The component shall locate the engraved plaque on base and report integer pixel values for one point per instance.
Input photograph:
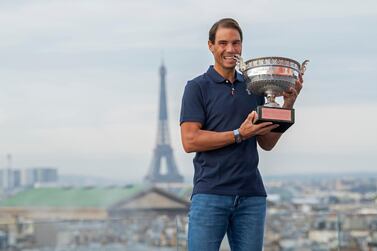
(284, 117)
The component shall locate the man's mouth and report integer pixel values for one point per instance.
(229, 58)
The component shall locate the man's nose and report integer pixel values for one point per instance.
(230, 48)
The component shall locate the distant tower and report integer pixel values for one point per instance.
(163, 150)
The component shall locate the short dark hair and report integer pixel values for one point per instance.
(223, 23)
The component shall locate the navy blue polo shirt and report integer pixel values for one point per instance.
(233, 169)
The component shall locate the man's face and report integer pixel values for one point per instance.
(227, 44)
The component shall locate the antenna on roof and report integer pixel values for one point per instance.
(9, 160)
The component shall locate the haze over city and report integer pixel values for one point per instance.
(80, 80)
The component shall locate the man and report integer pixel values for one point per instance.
(217, 118)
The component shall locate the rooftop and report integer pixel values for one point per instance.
(84, 197)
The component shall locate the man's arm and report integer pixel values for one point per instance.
(194, 139)
(269, 140)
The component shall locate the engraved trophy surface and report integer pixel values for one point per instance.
(271, 76)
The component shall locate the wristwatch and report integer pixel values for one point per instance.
(237, 136)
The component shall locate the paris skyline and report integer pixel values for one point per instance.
(80, 81)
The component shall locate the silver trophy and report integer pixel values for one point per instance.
(271, 76)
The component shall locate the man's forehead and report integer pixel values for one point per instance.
(225, 33)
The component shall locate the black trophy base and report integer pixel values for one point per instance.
(284, 117)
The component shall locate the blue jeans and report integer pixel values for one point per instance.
(241, 217)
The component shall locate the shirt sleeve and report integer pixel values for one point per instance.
(192, 108)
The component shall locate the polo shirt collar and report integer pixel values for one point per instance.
(215, 76)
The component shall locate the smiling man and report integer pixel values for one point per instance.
(217, 117)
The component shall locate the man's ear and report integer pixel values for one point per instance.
(210, 46)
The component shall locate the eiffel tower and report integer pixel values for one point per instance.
(163, 150)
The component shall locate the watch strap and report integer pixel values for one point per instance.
(237, 136)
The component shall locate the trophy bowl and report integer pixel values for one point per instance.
(270, 76)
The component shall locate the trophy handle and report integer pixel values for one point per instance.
(241, 64)
(303, 67)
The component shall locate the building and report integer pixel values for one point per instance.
(39, 176)
(71, 203)
(52, 216)
(12, 179)
(7, 181)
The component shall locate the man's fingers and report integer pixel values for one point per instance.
(300, 77)
(298, 85)
(267, 129)
(294, 91)
(255, 117)
(291, 92)
(262, 125)
(251, 116)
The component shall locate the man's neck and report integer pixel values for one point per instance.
(228, 74)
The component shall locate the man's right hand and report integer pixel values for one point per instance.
(248, 129)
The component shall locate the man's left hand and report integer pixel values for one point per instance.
(291, 95)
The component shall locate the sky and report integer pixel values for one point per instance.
(79, 80)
